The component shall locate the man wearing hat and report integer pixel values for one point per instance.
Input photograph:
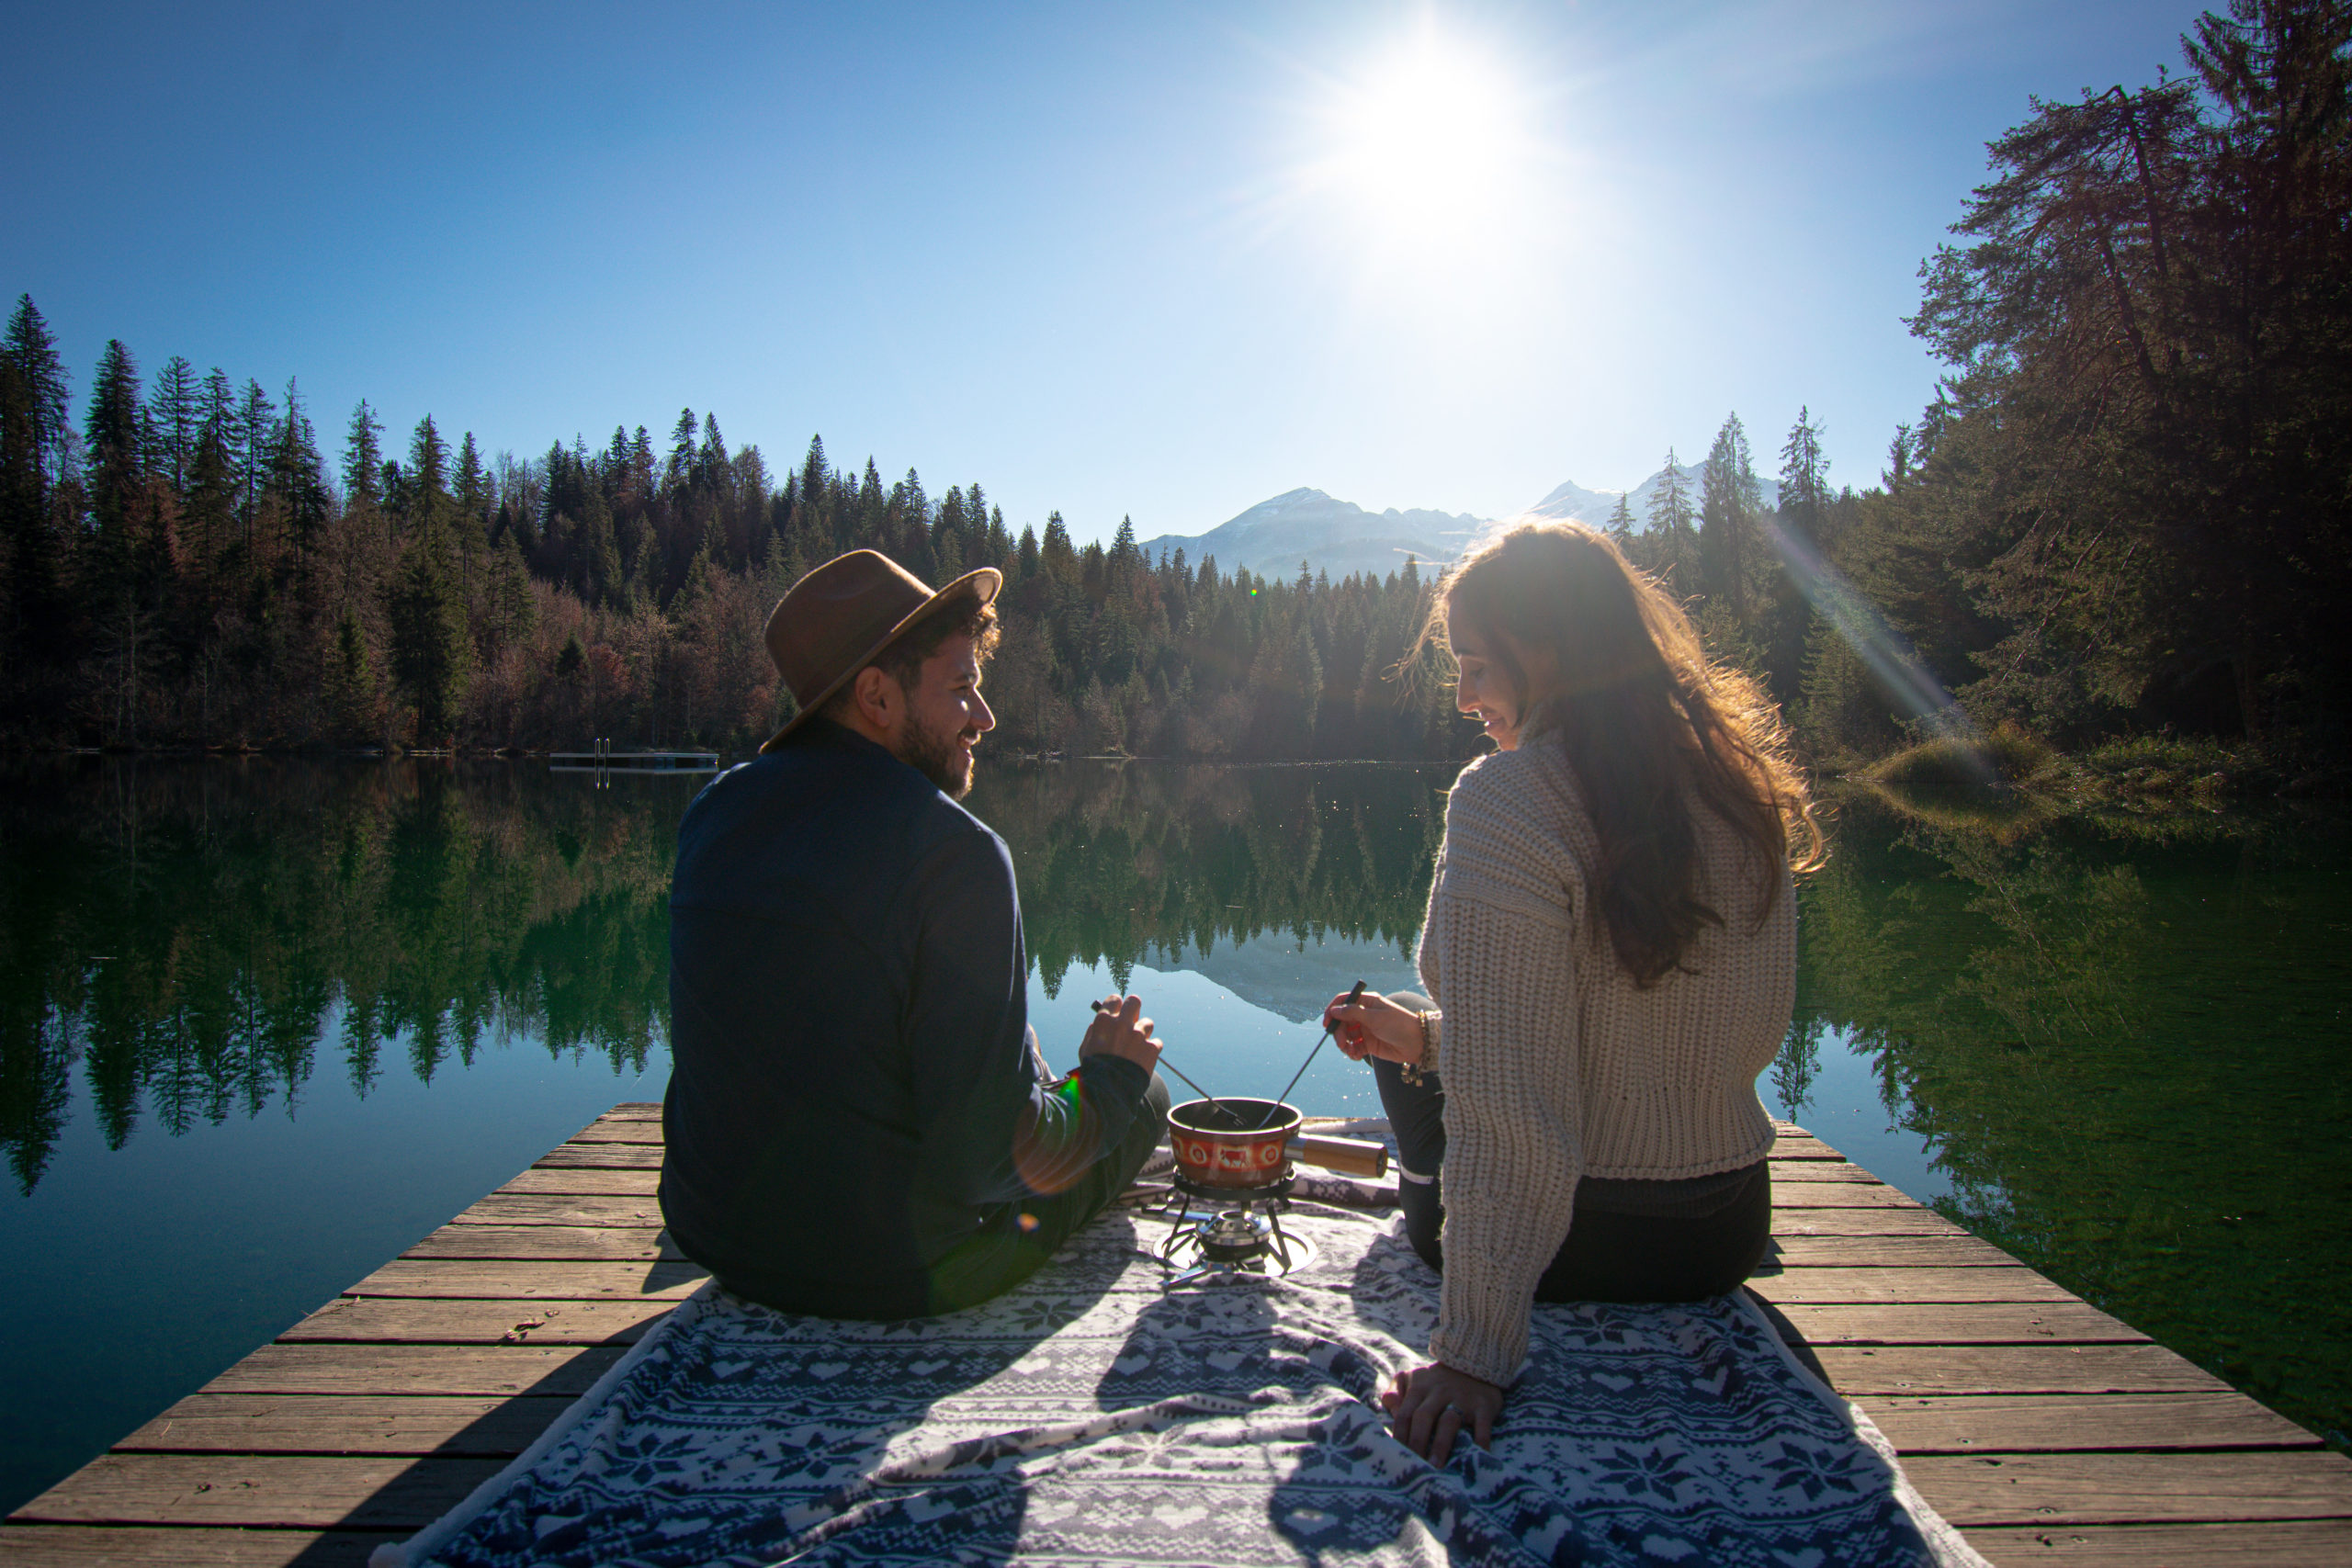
(859, 1124)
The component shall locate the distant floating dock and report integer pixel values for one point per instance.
(2044, 1429)
(602, 762)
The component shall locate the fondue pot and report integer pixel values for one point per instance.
(1254, 1142)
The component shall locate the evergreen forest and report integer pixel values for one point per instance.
(2123, 514)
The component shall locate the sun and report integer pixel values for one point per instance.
(1426, 141)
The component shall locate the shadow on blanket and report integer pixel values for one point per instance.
(1092, 1417)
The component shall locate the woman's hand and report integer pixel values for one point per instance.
(1374, 1026)
(1430, 1406)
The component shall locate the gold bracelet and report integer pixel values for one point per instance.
(1411, 1071)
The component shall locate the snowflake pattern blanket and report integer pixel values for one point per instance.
(1093, 1416)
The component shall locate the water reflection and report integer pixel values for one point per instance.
(1173, 865)
(2126, 1057)
(187, 936)
(2118, 1056)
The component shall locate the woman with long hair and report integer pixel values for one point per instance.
(1610, 958)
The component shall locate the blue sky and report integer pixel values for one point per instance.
(1159, 260)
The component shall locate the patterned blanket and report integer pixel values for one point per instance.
(1093, 1416)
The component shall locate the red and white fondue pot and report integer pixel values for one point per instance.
(1214, 1152)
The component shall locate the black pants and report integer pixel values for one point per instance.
(1003, 1255)
(1631, 1241)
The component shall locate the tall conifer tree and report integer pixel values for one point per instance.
(363, 457)
(175, 414)
(113, 461)
(1620, 519)
(31, 350)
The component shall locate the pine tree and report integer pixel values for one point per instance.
(432, 656)
(31, 350)
(428, 466)
(257, 437)
(680, 473)
(1674, 542)
(1621, 521)
(297, 474)
(1804, 482)
(363, 457)
(174, 417)
(111, 436)
(1731, 500)
(218, 416)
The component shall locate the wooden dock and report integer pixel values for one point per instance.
(2042, 1427)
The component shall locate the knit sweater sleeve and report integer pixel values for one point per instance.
(1502, 921)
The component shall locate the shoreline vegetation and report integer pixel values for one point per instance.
(2102, 573)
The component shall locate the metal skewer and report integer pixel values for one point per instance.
(1222, 1109)
(1354, 996)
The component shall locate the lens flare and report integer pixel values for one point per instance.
(1857, 621)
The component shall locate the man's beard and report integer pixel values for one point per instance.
(937, 757)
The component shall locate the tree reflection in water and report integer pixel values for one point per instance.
(2127, 1052)
(192, 935)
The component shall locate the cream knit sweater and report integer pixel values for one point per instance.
(1555, 1065)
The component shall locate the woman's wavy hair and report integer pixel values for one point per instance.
(1649, 723)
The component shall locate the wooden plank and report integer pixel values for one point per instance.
(483, 1427)
(501, 1278)
(600, 1156)
(1818, 1172)
(2298, 1543)
(566, 1370)
(1792, 1286)
(1878, 1219)
(2012, 1368)
(575, 1243)
(1959, 1251)
(2134, 1488)
(598, 1180)
(553, 1208)
(2023, 1423)
(23, 1546)
(634, 1111)
(1960, 1323)
(259, 1491)
(617, 1133)
(400, 1320)
(1837, 1195)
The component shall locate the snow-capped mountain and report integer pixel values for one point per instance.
(1332, 535)
(1593, 506)
(1339, 536)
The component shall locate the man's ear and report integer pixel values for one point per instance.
(877, 696)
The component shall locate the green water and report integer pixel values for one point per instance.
(2129, 1058)
(265, 1023)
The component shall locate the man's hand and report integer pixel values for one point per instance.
(1430, 1405)
(1120, 1030)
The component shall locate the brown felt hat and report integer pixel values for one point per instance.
(838, 619)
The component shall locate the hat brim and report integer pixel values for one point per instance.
(981, 586)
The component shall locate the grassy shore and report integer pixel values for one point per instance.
(2008, 781)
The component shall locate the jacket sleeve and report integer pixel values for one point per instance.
(992, 1130)
(1501, 928)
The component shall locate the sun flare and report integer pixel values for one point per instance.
(1426, 141)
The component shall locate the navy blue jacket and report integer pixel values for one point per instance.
(853, 1090)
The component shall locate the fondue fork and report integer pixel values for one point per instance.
(1222, 1109)
(1354, 996)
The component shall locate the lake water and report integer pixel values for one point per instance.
(263, 1024)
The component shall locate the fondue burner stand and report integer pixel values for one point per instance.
(1217, 1231)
